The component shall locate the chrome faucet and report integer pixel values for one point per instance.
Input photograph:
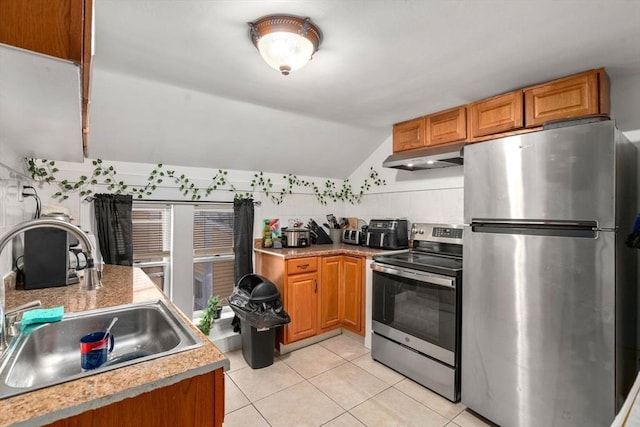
(10, 317)
(91, 276)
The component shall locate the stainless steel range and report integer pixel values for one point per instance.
(416, 308)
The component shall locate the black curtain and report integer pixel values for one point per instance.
(113, 221)
(242, 237)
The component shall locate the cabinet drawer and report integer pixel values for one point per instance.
(302, 265)
(497, 114)
(580, 95)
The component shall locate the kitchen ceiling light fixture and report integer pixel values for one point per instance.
(286, 42)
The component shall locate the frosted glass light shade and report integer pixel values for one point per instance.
(285, 52)
(285, 42)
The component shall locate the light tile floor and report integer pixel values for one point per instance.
(334, 383)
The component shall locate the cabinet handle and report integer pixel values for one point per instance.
(315, 290)
(303, 266)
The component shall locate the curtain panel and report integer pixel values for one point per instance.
(242, 237)
(113, 221)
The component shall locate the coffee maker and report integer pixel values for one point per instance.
(45, 262)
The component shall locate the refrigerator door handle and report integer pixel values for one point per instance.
(583, 229)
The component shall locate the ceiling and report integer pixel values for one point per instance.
(179, 81)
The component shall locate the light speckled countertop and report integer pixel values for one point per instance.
(323, 250)
(121, 285)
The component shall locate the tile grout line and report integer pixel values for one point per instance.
(427, 406)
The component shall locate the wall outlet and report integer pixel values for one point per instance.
(13, 191)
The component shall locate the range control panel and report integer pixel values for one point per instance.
(451, 233)
(445, 233)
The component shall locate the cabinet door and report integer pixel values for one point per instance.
(195, 401)
(351, 307)
(409, 135)
(573, 96)
(52, 27)
(501, 113)
(447, 126)
(330, 275)
(302, 291)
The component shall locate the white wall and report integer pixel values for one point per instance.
(12, 211)
(625, 105)
(301, 205)
(422, 196)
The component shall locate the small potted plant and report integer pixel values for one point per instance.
(209, 314)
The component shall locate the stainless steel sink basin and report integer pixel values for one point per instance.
(50, 354)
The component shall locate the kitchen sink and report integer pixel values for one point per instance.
(49, 354)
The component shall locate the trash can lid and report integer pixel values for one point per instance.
(265, 291)
(259, 289)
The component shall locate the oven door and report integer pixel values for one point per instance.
(416, 309)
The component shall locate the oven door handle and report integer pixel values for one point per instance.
(414, 274)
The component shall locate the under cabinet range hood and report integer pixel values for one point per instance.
(427, 158)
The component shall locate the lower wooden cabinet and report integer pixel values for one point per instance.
(301, 303)
(341, 293)
(329, 292)
(352, 302)
(193, 402)
(319, 293)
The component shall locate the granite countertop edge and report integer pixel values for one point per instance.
(325, 250)
(89, 405)
(121, 285)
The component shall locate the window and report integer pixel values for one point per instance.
(155, 233)
(151, 236)
(213, 253)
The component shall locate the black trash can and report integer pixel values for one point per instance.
(258, 305)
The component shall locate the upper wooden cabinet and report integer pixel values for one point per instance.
(59, 28)
(574, 96)
(52, 27)
(409, 135)
(435, 129)
(520, 111)
(500, 113)
(447, 126)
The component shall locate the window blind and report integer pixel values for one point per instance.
(212, 230)
(151, 231)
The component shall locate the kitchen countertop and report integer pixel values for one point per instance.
(323, 250)
(121, 285)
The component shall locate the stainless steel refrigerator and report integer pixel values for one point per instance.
(549, 299)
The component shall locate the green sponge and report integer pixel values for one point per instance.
(42, 315)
